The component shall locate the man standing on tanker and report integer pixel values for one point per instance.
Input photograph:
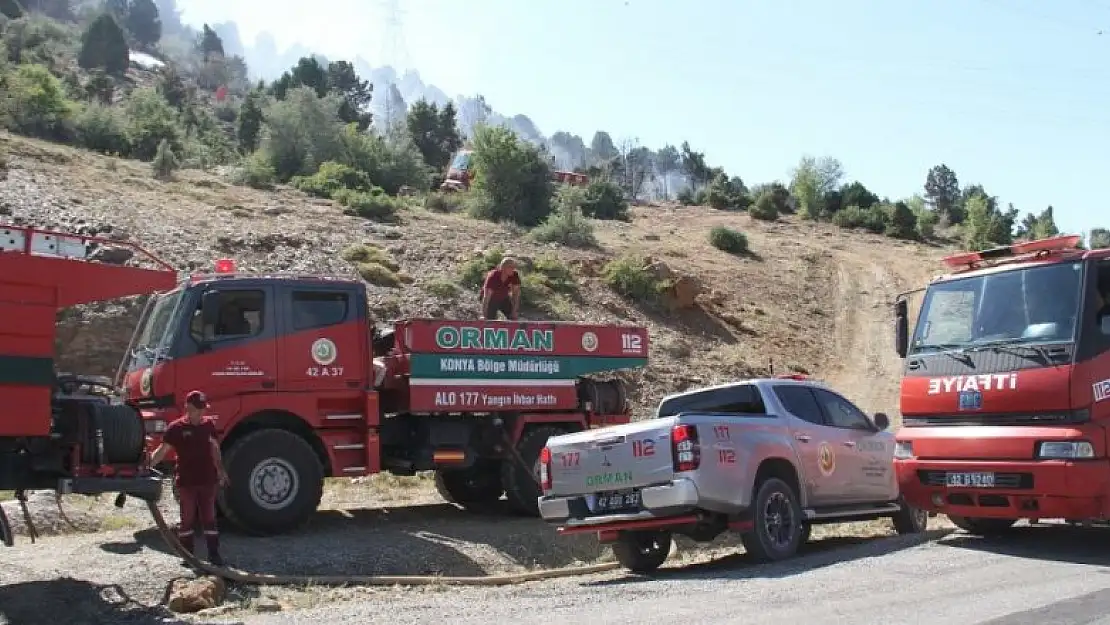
(199, 473)
(501, 291)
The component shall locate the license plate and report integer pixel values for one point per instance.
(970, 480)
(604, 503)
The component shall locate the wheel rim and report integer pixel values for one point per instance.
(273, 483)
(778, 520)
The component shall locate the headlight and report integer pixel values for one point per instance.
(1064, 450)
(903, 450)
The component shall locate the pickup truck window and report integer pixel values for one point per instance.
(841, 412)
(801, 403)
(741, 399)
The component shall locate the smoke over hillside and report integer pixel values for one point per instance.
(648, 174)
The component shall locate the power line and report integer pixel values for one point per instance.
(394, 52)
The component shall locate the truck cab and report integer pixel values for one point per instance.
(1005, 387)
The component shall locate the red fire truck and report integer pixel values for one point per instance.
(1005, 398)
(303, 386)
(458, 176)
(60, 431)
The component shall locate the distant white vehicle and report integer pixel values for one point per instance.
(144, 60)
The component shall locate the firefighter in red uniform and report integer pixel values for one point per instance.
(200, 472)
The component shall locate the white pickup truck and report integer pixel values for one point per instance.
(768, 457)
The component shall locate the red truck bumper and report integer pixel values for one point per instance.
(1043, 489)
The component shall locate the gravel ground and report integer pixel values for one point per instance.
(116, 568)
(1041, 576)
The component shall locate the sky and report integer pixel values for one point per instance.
(1010, 94)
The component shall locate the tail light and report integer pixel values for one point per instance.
(545, 469)
(685, 449)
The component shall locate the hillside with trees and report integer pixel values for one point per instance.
(128, 78)
(124, 121)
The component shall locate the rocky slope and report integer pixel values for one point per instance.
(810, 297)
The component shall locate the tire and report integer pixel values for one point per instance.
(768, 541)
(271, 464)
(521, 486)
(982, 526)
(909, 520)
(642, 551)
(122, 429)
(475, 488)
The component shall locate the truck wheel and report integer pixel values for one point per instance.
(982, 526)
(276, 482)
(909, 520)
(474, 488)
(522, 487)
(778, 522)
(643, 551)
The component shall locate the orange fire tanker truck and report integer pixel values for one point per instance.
(1005, 397)
(303, 386)
(61, 431)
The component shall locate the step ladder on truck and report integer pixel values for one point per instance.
(1005, 395)
(303, 387)
(58, 431)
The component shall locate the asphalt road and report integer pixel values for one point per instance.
(1038, 576)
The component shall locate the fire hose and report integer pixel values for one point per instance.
(247, 577)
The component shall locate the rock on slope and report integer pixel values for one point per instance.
(781, 304)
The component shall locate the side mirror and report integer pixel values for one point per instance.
(901, 327)
(210, 308)
(882, 421)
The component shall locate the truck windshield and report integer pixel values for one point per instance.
(153, 335)
(1035, 305)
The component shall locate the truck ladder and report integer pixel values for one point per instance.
(42, 258)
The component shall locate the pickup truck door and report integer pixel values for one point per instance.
(872, 478)
(827, 454)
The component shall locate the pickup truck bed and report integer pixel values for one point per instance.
(735, 456)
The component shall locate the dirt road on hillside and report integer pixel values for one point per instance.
(864, 364)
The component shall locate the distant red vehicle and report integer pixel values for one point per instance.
(1005, 398)
(458, 176)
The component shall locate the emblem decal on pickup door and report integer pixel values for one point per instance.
(1102, 390)
(985, 382)
(826, 459)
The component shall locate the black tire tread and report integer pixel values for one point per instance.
(753, 542)
(122, 428)
(630, 556)
(458, 494)
(315, 486)
(906, 520)
(520, 487)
